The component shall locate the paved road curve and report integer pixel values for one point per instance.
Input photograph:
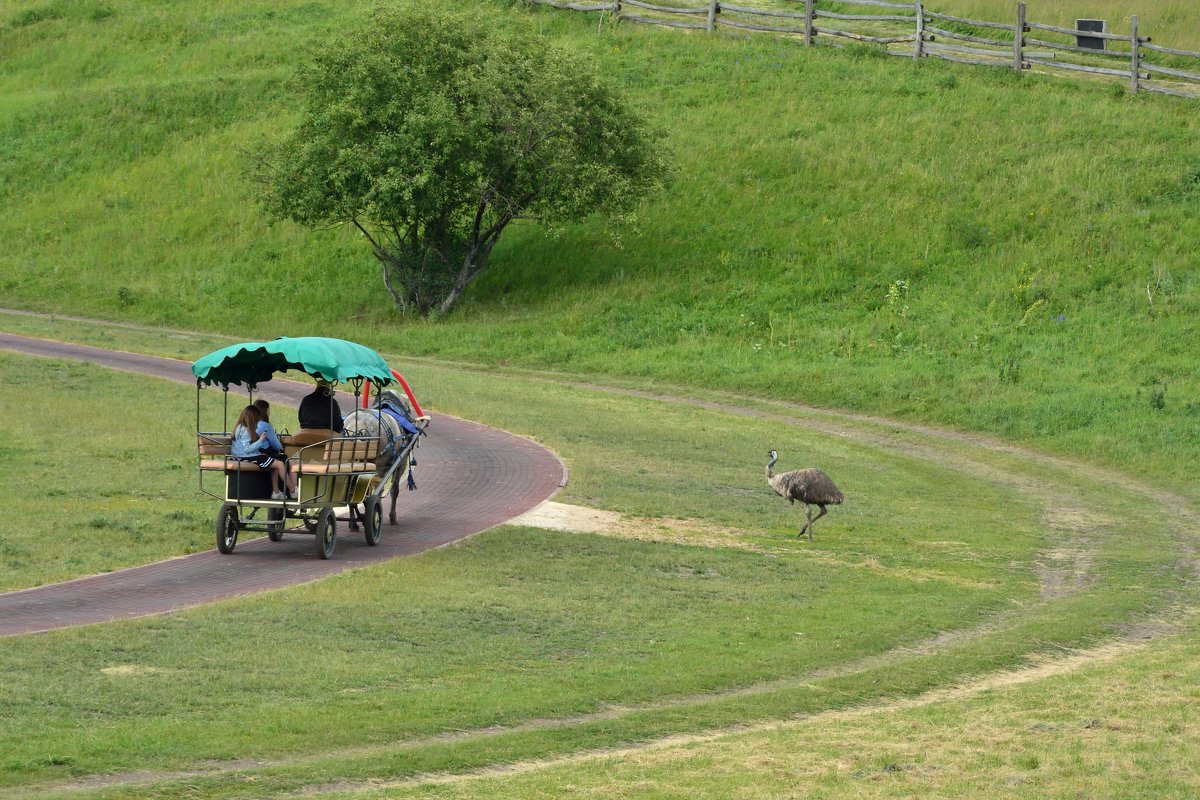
(470, 478)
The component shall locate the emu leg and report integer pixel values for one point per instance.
(808, 525)
(812, 520)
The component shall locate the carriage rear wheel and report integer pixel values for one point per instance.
(372, 520)
(326, 533)
(276, 517)
(227, 528)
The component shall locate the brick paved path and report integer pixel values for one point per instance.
(470, 478)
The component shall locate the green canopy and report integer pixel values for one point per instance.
(252, 363)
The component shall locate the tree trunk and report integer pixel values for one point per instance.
(399, 300)
(471, 268)
(429, 271)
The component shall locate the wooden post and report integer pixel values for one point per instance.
(1019, 38)
(712, 14)
(919, 50)
(1135, 59)
(616, 9)
(808, 23)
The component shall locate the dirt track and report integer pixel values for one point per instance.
(507, 476)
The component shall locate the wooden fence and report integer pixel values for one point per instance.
(913, 31)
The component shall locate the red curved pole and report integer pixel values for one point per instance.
(366, 394)
(416, 406)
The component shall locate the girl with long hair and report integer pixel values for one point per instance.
(250, 444)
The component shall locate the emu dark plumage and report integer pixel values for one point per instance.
(810, 486)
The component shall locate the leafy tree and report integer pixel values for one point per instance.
(430, 133)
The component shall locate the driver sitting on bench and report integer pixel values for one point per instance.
(319, 409)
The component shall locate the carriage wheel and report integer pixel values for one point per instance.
(227, 528)
(275, 531)
(372, 520)
(326, 533)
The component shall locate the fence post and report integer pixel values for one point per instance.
(1135, 59)
(712, 14)
(808, 23)
(1019, 38)
(616, 10)
(919, 50)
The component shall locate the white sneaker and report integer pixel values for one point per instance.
(276, 495)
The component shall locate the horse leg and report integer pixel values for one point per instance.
(395, 494)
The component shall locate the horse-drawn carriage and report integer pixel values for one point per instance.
(334, 470)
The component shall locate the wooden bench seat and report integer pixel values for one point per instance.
(214, 450)
(214, 455)
(337, 468)
(342, 455)
(243, 480)
(310, 452)
(231, 464)
(303, 443)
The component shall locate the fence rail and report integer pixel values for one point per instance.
(917, 32)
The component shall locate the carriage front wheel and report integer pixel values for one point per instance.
(326, 533)
(227, 528)
(372, 520)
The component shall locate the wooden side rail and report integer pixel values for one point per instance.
(213, 444)
(214, 455)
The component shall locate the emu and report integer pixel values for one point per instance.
(809, 486)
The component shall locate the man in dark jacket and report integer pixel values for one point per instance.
(320, 410)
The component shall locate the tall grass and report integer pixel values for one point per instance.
(1173, 23)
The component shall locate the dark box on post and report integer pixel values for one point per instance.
(1091, 42)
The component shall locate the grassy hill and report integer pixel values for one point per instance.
(926, 240)
(931, 242)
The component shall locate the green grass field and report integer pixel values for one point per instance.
(700, 615)
(970, 297)
(1172, 23)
